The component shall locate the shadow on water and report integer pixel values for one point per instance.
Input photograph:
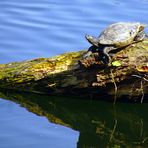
(100, 123)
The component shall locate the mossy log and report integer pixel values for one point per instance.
(69, 74)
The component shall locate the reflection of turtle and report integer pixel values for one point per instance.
(116, 36)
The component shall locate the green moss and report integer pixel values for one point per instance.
(116, 63)
(36, 69)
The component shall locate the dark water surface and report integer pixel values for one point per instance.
(70, 123)
(42, 28)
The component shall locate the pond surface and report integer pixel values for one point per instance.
(43, 28)
(70, 123)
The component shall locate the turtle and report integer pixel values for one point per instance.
(115, 36)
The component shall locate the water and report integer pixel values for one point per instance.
(72, 123)
(43, 28)
(21, 129)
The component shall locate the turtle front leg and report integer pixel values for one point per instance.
(91, 50)
(106, 51)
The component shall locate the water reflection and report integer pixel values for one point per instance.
(100, 124)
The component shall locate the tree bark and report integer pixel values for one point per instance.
(70, 74)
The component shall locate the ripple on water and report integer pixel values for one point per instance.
(45, 28)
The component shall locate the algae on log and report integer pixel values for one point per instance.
(69, 74)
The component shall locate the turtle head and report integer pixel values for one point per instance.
(142, 26)
(140, 34)
(92, 40)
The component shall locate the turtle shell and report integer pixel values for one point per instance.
(120, 34)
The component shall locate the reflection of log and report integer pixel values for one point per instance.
(100, 124)
(64, 75)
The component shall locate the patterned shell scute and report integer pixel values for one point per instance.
(119, 32)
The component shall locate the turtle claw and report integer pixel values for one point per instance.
(87, 54)
(91, 50)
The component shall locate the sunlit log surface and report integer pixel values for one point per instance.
(69, 74)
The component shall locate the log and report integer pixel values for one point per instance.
(70, 74)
